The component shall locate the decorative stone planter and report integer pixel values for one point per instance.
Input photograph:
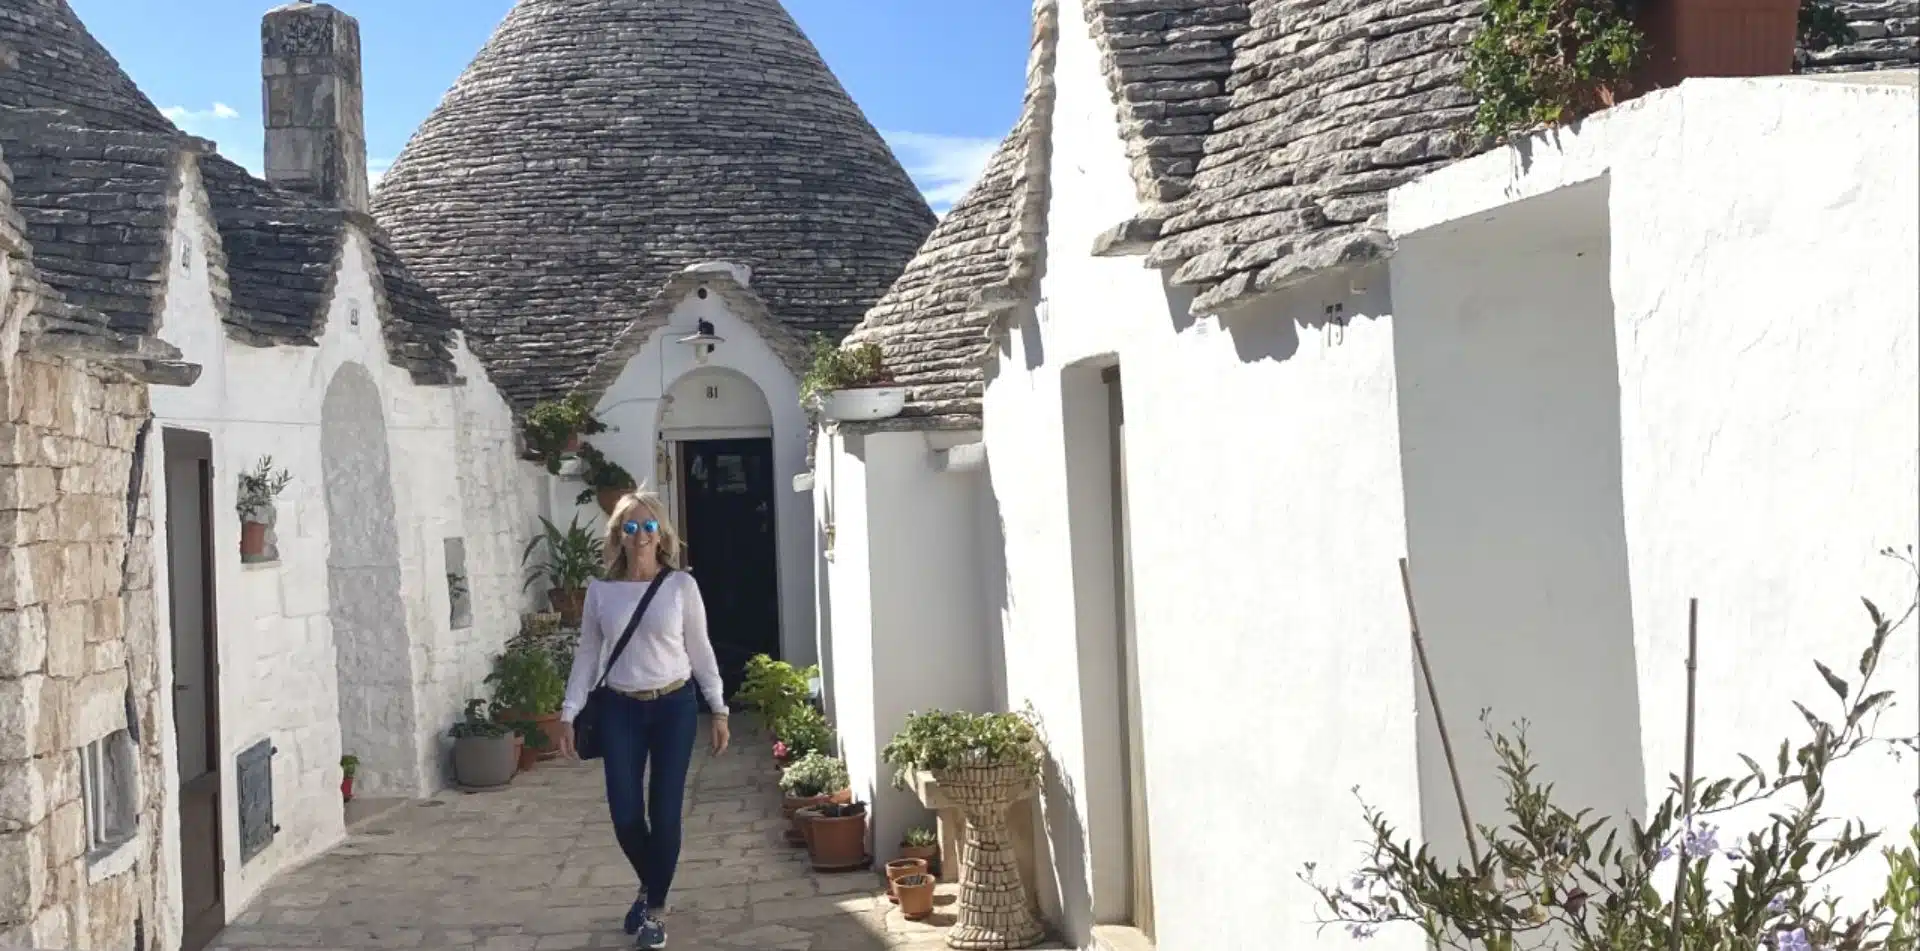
(1686, 39)
(865, 404)
(569, 602)
(481, 762)
(994, 914)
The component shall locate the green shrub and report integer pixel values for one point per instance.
(815, 774)
(940, 740)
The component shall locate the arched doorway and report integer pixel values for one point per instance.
(717, 427)
(372, 656)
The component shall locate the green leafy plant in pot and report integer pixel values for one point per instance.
(259, 486)
(813, 779)
(802, 730)
(940, 742)
(570, 559)
(774, 688)
(349, 768)
(553, 429)
(484, 751)
(923, 844)
(606, 480)
(835, 835)
(528, 690)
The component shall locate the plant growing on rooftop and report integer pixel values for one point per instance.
(1823, 26)
(939, 740)
(842, 368)
(553, 425)
(1537, 63)
(1547, 877)
(259, 486)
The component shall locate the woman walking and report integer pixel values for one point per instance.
(643, 644)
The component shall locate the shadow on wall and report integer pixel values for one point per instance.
(1272, 328)
(1063, 836)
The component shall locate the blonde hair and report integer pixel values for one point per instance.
(667, 547)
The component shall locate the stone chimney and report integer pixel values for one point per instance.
(316, 124)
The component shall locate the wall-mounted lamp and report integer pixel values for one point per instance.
(703, 341)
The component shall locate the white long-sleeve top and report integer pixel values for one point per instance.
(670, 644)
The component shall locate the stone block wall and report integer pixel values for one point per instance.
(77, 653)
(1886, 36)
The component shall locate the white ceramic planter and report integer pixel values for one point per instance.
(865, 404)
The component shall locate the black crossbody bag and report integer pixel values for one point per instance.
(587, 738)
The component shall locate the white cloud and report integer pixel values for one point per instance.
(376, 170)
(190, 119)
(944, 166)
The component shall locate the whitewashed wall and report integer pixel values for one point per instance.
(455, 475)
(1266, 519)
(912, 632)
(1764, 298)
(632, 408)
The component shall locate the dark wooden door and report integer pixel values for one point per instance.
(196, 682)
(731, 547)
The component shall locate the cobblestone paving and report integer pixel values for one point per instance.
(535, 867)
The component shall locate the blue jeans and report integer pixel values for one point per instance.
(648, 823)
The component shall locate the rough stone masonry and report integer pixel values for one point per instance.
(77, 653)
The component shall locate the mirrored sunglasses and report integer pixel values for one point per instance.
(634, 528)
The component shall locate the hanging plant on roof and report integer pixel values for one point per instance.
(553, 428)
(842, 368)
(605, 479)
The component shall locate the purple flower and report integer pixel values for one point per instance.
(1704, 840)
(1778, 904)
(1795, 940)
(1665, 853)
(1361, 931)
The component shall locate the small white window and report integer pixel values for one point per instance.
(108, 787)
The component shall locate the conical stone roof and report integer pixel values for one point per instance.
(594, 148)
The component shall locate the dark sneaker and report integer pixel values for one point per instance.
(653, 934)
(636, 915)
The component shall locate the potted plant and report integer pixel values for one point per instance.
(606, 480)
(836, 836)
(775, 688)
(528, 688)
(981, 763)
(571, 559)
(899, 867)
(814, 779)
(259, 486)
(851, 383)
(802, 730)
(349, 767)
(553, 429)
(915, 894)
(484, 753)
(921, 843)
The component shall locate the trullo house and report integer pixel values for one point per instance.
(1233, 323)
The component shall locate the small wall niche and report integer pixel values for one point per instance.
(459, 592)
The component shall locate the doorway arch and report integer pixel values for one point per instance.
(716, 427)
(373, 660)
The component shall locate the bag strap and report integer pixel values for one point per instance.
(633, 624)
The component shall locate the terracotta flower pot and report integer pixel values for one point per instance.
(569, 602)
(529, 756)
(253, 539)
(916, 895)
(346, 789)
(609, 497)
(1694, 38)
(929, 854)
(549, 724)
(837, 843)
(902, 867)
(790, 806)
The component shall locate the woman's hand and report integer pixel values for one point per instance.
(720, 735)
(566, 741)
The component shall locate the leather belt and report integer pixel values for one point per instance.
(651, 694)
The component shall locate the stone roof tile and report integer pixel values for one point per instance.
(595, 148)
(935, 326)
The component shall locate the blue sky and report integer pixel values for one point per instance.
(941, 79)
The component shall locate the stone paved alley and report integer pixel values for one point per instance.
(535, 866)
